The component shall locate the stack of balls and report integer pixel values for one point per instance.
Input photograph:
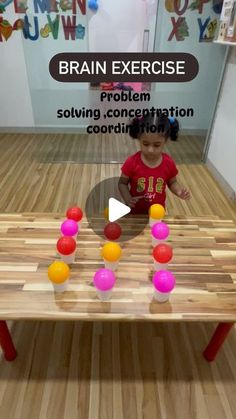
(163, 280)
(59, 271)
(104, 279)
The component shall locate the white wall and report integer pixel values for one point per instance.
(16, 107)
(118, 26)
(222, 151)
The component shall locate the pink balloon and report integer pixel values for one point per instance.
(160, 231)
(69, 228)
(104, 279)
(163, 281)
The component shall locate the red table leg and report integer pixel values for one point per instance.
(217, 340)
(6, 342)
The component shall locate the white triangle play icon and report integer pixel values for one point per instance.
(117, 209)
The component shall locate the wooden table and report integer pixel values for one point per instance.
(204, 264)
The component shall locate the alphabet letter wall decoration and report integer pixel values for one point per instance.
(5, 29)
(61, 17)
(207, 30)
(183, 9)
(20, 6)
(198, 5)
(180, 10)
(169, 5)
(217, 6)
(180, 29)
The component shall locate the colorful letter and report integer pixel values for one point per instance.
(20, 6)
(54, 7)
(69, 26)
(43, 5)
(81, 4)
(202, 2)
(198, 5)
(26, 30)
(177, 7)
(202, 27)
(54, 26)
(180, 29)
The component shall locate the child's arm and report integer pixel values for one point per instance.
(125, 193)
(178, 190)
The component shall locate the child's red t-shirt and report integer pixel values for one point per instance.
(149, 182)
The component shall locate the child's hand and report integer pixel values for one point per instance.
(133, 201)
(184, 194)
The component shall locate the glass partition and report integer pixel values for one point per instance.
(191, 26)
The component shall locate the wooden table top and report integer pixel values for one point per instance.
(204, 264)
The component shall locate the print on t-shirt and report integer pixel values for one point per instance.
(148, 182)
(151, 186)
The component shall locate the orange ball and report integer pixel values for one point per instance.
(157, 211)
(58, 272)
(111, 252)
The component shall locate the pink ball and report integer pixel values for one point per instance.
(69, 228)
(104, 279)
(160, 231)
(163, 281)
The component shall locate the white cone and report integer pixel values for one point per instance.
(160, 266)
(161, 297)
(68, 259)
(61, 287)
(104, 295)
(154, 221)
(155, 242)
(111, 265)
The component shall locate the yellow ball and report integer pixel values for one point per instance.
(111, 252)
(157, 211)
(106, 213)
(58, 272)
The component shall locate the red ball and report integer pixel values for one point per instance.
(66, 245)
(162, 253)
(75, 214)
(112, 231)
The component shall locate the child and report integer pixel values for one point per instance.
(146, 173)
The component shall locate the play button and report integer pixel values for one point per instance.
(117, 209)
(106, 195)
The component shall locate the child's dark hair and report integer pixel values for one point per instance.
(169, 127)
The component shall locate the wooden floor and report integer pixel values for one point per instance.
(108, 370)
